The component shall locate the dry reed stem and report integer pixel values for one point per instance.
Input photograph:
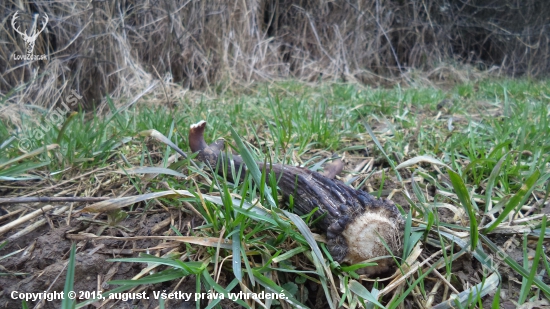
(35, 225)
(15, 223)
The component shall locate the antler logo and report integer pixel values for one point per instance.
(31, 37)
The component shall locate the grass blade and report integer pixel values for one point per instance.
(464, 197)
(163, 276)
(290, 253)
(491, 181)
(68, 291)
(486, 286)
(362, 292)
(274, 288)
(419, 159)
(375, 140)
(304, 229)
(407, 245)
(230, 287)
(420, 279)
(237, 267)
(515, 266)
(318, 258)
(220, 289)
(533, 273)
(515, 201)
(252, 166)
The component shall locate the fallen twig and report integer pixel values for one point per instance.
(55, 199)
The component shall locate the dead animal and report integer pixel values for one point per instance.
(355, 222)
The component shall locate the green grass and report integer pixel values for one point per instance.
(494, 137)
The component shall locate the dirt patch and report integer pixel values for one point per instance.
(390, 187)
(41, 265)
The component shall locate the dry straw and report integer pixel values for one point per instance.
(121, 48)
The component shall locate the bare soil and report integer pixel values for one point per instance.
(42, 263)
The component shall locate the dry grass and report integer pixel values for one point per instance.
(121, 48)
(494, 133)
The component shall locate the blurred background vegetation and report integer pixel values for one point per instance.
(122, 48)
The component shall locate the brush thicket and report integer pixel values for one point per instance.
(120, 48)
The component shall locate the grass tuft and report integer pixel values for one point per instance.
(470, 175)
